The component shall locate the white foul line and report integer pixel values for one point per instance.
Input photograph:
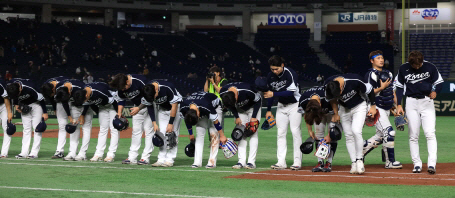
(215, 171)
(98, 191)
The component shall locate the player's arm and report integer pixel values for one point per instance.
(53, 103)
(437, 80)
(121, 104)
(190, 131)
(398, 85)
(218, 127)
(151, 111)
(334, 104)
(170, 125)
(256, 108)
(310, 131)
(368, 89)
(42, 103)
(8, 108)
(66, 107)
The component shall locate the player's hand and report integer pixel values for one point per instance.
(269, 114)
(134, 111)
(169, 128)
(253, 120)
(327, 139)
(81, 119)
(336, 118)
(70, 119)
(311, 133)
(119, 115)
(10, 117)
(372, 111)
(223, 139)
(155, 127)
(385, 84)
(433, 95)
(45, 116)
(400, 110)
(17, 109)
(191, 138)
(268, 94)
(238, 121)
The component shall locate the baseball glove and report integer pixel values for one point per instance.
(268, 124)
(251, 128)
(229, 149)
(25, 109)
(400, 121)
(171, 140)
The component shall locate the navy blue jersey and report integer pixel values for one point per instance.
(206, 103)
(247, 94)
(315, 91)
(353, 89)
(58, 79)
(76, 85)
(286, 81)
(418, 83)
(29, 93)
(134, 93)
(101, 94)
(167, 94)
(3, 92)
(384, 99)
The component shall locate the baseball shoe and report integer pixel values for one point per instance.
(109, 159)
(417, 169)
(20, 157)
(80, 158)
(96, 158)
(360, 167)
(250, 166)
(168, 164)
(353, 168)
(157, 164)
(431, 170)
(277, 167)
(327, 167)
(58, 155)
(142, 162)
(210, 166)
(296, 168)
(128, 161)
(237, 166)
(32, 157)
(195, 166)
(68, 158)
(393, 165)
(3, 156)
(318, 167)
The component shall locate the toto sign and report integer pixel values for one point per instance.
(287, 19)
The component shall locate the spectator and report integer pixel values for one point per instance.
(154, 53)
(386, 63)
(383, 36)
(221, 58)
(319, 79)
(158, 64)
(84, 79)
(2, 51)
(226, 55)
(99, 38)
(258, 72)
(261, 24)
(8, 76)
(126, 68)
(192, 55)
(14, 64)
(146, 71)
(251, 62)
(258, 62)
(272, 49)
(89, 78)
(240, 77)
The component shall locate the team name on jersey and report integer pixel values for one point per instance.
(24, 97)
(196, 96)
(97, 101)
(278, 85)
(315, 89)
(161, 100)
(348, 96)
(132, 94)
(413, 78)
(243, 103)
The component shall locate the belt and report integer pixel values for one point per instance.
(417, 97)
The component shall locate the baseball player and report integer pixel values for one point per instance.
(347, 90)
(48, 91)
(318, 112)
(98, 93)
(23, 92)
(385, 98)
(420, 81)
(201, 108)
(244, 102)
(5, 116)
(129, 87)
(65, 91)
(284, 85)
(167, 100)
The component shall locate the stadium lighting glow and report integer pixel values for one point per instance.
(164, 17)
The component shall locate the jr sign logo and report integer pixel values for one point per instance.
(345, 17)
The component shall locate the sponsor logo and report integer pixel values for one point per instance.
(416, 12)
(345, 17)
(414, 78)
(430, 14)
(287, 19)
(452, 87)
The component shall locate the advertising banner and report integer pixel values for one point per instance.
(358, 17)
(389, 23)
(429, 14)
(287, 19)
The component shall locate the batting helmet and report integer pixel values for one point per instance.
(335, 131)
(120, 123)
(371, 121)
(11, 128)
(237, 133)
(158, 139)
(261, 84)
(41, 127)
(189, 149)
(307, 146)
(384, 76)
(71, 128)
(25, 109)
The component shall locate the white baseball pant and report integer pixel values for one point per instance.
(287, 114)
(245, 117)
(62, 120)
(141, 123)
(352, 121)
(422, 112)
(202, 125)
(166, 155)
(105, 116)
(319, 132)
(6, 137)
(86, 130)
(30, 120)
